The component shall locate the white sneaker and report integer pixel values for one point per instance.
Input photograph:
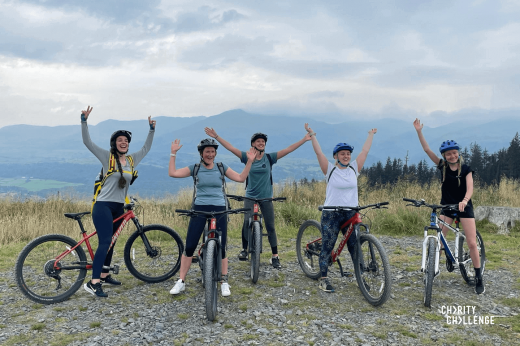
(225, 289)
(178, 288)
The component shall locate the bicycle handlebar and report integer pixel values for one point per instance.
(358, 208)
(422, 202)
(192, 212)
(241, 198)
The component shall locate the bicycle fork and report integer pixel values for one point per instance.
(425, 249)
(211, 235)
(256, 217)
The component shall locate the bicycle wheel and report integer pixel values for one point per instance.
(35, 273)
(164, 258)
(210, 279)
(429, 272)
(256, 243)
(373, 270)
(308, 248)
(466, 264)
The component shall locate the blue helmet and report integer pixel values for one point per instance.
(448, 145)
(342, 146)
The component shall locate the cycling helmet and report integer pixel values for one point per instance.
(448, 145)
(118, 133)
(342, 146)
(258, 135)
(207, 142)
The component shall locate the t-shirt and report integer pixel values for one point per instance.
(342, 188)
(452, 193)
(259, 179)
(209, 187)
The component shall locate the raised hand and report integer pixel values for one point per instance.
(87, 112)
(417, 124)
(372, 132)
(307, 128)
(210, 132)
(176, 145)
(251, 154)
(151, 122)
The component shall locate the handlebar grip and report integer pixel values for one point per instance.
(409, 200)
(182, 211)
(242, 209)
(384, 203)
(280, 199)
(320, 208)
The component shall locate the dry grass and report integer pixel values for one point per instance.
(23, 220)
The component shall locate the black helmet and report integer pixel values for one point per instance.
(207, 142)
(258, 135)
(118, 133)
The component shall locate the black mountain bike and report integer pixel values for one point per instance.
(254, 247)
(210, 255)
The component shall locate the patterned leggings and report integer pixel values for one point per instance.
(331, 221)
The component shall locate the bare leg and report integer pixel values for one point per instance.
(470, 230)
(185, 266)
(224, 266)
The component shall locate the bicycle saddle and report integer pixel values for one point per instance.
(76, 216)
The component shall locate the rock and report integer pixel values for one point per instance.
(503, 217)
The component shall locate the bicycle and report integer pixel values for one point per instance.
(431, 249)
(210, 254)
(51, 268)
(371, 265)
(254, 246)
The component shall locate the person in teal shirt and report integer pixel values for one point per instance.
(259, 185)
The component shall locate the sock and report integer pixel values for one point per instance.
(274, 250)
(477, 273)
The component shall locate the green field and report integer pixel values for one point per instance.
(35, 185)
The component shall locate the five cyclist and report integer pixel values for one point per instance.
(209, 197)
(342, 190)
(457, 188)
(111, 198)
(259, 185)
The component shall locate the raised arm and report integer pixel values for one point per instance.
(172, 171)
(212, 133)
(100, 153)
(139, 155)
(293, 147)
(231, 174)
(418, 127)
(322, 160)
(361, 158)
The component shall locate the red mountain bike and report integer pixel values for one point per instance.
(371, 265)
(53, 267)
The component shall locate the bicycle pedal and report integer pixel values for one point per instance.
(115, 269)
(348, 275)
(449, 265)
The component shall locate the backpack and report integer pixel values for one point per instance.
(270, 170)
(112, 168)
(220, 167)
(328, 178)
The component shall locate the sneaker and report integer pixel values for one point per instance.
(275, 262)
(178, 288)
(479, 286)
(225, 289)
(243, 255)
(325, 285)
(95, 289)
(110, 280)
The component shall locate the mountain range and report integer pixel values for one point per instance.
(57, 153)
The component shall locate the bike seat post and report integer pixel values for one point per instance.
(81, 226)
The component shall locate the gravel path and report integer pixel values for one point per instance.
(283, 308)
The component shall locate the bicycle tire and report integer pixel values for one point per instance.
(467, 269)
(165, 260)
(35, 275)
(429, 272)
(308, 248)
(210, 279)
(372, 270)
(256, 243)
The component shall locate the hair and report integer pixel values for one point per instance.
(122, 180)
(460, 161)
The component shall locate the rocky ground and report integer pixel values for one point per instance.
(283, 308)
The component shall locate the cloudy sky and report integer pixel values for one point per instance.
(131, 59)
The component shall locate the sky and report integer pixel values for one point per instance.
(324, 59)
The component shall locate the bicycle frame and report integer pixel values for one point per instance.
(351, 224)
(439, 238)
(129, 215)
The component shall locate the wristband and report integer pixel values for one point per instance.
(312, 134)
(83, 117)
(151, 127)
(172, 155)
(216, 137)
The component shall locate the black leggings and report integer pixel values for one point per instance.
(196, 228)
(103, 216)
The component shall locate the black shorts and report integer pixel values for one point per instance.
(466, 214)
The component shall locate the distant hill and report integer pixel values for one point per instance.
(57, 153)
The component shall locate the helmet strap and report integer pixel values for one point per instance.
(342, 165)
(260, 151)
